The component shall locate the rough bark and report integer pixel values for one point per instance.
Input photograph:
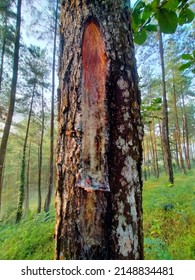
(99, 188)
(12, 95)
(165, 121)
(51, 162)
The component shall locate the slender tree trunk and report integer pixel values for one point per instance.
(165, 122)
(23, 165)
(152, 152)
(99, 154)
(40, 157)
(176, 150)
(186, 134)
(144, 161)
(148, 156)
(155, 149)
(162, 147)
(182, 167)
(12, 96)
(2, 63)
(51, 165)
(28, 182)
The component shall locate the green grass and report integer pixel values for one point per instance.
(32, 239)
(168, 234)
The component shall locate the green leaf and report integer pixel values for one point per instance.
(155, 4)
(194, 53)
(185, 16)
(157, 100)
(171, 5)
(140, 37)
(187, 56)
(139, 5)
(167, 21)
(185, 66)
(151, 27)
(136, 14)
(147, 12)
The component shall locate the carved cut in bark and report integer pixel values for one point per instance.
(94, 174)
(99, 154)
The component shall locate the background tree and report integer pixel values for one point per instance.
(12, 94)
(50, 186)
(36, 65)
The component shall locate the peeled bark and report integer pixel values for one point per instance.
(99, 154)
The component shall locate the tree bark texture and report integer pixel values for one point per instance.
(12, 95)
(99, 154)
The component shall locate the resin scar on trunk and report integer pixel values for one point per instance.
(94, 161)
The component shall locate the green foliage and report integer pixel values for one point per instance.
(32, 239)
(167, 21)
(169, 231)
(168, 14)
(190, 63)
(149, 110)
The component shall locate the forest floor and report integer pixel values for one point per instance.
(169, 225)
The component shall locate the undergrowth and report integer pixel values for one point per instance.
(168, 217)
(31, 239)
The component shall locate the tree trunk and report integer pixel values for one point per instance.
(23, 165)
(144, 161)
(40, 156)
(186, 135)
(12, 96)
(51, 164)
(165, 122)
(152, 151)
(155, 149)
(2, 63)
(27, 182)
(176, 150)
(181, 163)
(162, 147)
(99, 154)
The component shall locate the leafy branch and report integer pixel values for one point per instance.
(168, 14)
